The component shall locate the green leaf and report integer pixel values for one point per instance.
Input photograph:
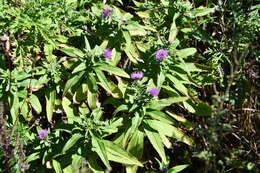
(73, 52)
(117, 154)
(186, 123)
(189, 67)
(203, 109)
(93, 164)
(35, 103)
(178, 84)
(160, 80)
(177, 169)
(72, 81)
(156, 141)
(92, 99)
(69, 169)
(87, 45)
(99, 148)
(24, 107)
(76, 160)
(69, 110)
(144, 14)
(50, 97)
(160, 116)
(33, 157)
(82, 66)
(102, 78)
(160, 104)
(165, 141)
(173, 30)
(14, 102)
(127, 37)
(189, 107)
(71, 142)
(201, 11)
(120, 109)
(136, 144)
(130, 56)
(135, 123)
(169, 131)
(142, 46)
(114, 70)
(56, 166)
(92, 91)
(186, 52)
(135, 29)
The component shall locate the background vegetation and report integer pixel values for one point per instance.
(129, 86)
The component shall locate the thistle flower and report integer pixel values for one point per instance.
(107, 53)
(137, 75)
(154, 92)
(43, 134)
(161, 54)
(106, 12)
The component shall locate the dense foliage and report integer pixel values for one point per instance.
(129, 86)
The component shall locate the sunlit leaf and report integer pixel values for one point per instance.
(71, 142)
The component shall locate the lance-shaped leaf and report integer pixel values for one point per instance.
(99, 148)
(201, 11)
(178, 84)
(35, 103)
(177, 168)
(117, 154)
(14, 102)
(69, 109)
(72, 81)
(160, 116)
(169, 131)
(156, 141)
(160, 104)
(56, 166)
(72, 51)
(114, 70)
(92, 91)
(71, 142)
(186, 52)
(173, 30)
(50, 97)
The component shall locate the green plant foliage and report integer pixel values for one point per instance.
(94, 86)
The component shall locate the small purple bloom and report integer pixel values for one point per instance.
(106, 12)
(161, 54)
(137, 75)
(107, 53)
(43, 134)
(154, 92)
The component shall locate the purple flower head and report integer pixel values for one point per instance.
(106, 12)
(137, 75)
(154, 92)
(43, 134)
(107, 53)
(161, 54)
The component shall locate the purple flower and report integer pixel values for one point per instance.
(161, 54)
(137, 75)
(42, 134)
(107, 53)
(154, 92)
(106, 12)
